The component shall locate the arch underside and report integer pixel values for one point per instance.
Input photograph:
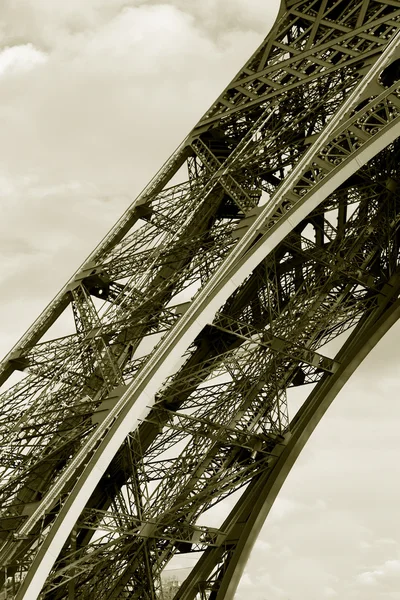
(232, 425)
(287, 229)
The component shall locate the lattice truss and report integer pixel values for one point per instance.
(220, 421)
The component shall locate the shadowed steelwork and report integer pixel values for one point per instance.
(189, 322)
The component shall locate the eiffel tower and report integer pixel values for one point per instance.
(205, 303)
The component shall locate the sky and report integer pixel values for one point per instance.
(95, 95)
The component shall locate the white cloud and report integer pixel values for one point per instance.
(365, 545)
(283, 507)
(392, 566)
(14, 59)
(329, 592)
(246, 581)
(368, 577)
(119, 85)
(286, 506)
(261, 546)
(386, 574)
(260, 585)
(386, 542)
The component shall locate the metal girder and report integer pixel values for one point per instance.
(191, 319)
(218, 572)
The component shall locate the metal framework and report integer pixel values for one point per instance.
(186, 326)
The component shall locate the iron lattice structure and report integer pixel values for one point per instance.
(189, 322)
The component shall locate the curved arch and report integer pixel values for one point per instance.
(363, 340)
(136, 402)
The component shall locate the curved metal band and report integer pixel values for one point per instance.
(136, 402)
(363, 340)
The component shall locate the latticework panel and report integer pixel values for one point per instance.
(308, 127)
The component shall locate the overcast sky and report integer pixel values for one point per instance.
(95, 95)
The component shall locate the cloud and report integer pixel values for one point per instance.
(368, 577)
(286, 507)
(260, 586)
(261, 546)
(15, 59)
(246, 581)
(232, 15)
(388, 572)
(97, 96)
(329, 592)
(107, 91)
